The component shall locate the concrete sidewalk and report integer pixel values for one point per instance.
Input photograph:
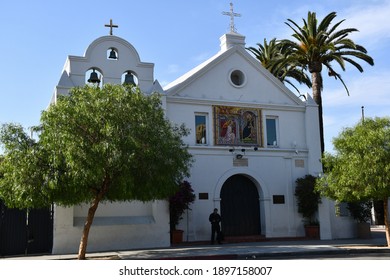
(266, 250)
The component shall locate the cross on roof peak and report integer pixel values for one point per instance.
(111, 26)
(232, 15)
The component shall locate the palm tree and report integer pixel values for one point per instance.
(272, 59)
(318, 45)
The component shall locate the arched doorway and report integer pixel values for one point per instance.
(240, 209)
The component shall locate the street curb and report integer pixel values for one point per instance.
(334, 251)
(271, 255)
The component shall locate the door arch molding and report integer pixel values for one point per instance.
(260, 185)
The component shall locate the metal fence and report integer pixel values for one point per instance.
(27, 231)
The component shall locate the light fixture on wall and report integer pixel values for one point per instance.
(237, 155)
(294, 145)
(240, 156)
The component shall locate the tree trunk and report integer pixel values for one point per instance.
(91, 214)
(317, 86)
(386, 217)
(87, 227)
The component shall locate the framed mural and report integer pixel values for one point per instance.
(237, 126)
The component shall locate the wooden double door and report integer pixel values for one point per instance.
(240, 207)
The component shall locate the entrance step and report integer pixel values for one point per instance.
(246, 238)
(227, 239)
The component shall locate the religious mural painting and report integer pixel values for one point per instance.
(237, 126)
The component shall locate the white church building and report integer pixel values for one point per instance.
(251, 138)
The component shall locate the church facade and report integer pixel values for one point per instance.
(251, 138)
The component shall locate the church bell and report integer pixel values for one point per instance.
(94, 78)
(112, 54)
(129, 79)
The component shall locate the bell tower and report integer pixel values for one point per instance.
(108, 59)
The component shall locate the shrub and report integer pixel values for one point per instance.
(180, 202)
(307, 198)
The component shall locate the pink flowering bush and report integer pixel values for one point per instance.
(179, 202)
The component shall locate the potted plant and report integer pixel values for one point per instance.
(361, 212)
(178, 203)
(307, 201)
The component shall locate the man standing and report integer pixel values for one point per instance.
(215, 219)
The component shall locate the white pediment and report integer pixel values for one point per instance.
(211, 80)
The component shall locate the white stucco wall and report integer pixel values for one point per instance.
(117, 226)
(273, 170)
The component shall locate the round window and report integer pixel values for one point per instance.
(237, 77)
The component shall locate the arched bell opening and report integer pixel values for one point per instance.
(94, 77)
(112, 54)
(129, 78)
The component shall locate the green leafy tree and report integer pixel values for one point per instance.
(274, 60)
(360, 168)
(95, 145)
(320, 44)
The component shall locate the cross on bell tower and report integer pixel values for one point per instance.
(111, 26)
(232, 15)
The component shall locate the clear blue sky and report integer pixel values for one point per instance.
(176, 35)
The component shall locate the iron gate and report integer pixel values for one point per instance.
(25, 231)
